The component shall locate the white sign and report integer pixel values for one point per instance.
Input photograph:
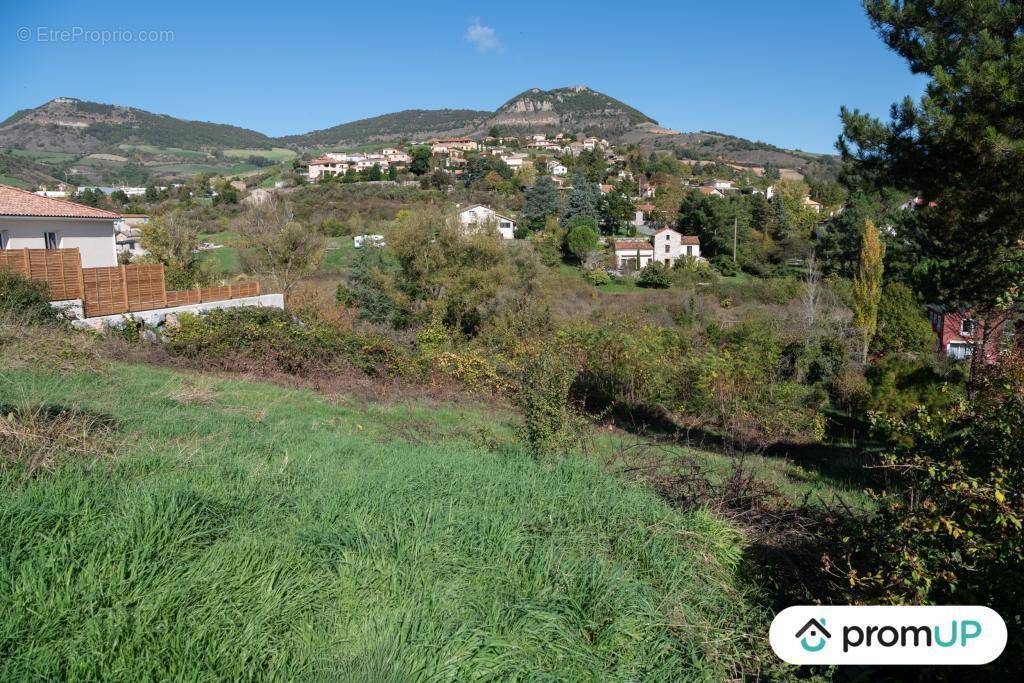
(844, 634)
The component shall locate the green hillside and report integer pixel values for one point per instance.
(410, 123)
(72, 125)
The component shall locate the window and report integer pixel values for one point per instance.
(3, 239)
(668, 247)
(689, 251)
(50, 240)
(968, 327)
(958, 350)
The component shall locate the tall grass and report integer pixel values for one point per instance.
(263, 533)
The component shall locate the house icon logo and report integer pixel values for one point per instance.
(815, 631)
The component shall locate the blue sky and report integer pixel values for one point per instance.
(772, 71)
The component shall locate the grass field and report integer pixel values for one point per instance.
(192, 169)
(7, 180)
(153, 150)
(109, 157)
(45, 157)
(242, 531)
(277, 154)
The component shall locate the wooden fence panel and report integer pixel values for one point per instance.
(60, 269)
(15, 260)
(105, 292)
(215, 293)
(182, 297)
(115, 289)
(245, 289)
(145, 286)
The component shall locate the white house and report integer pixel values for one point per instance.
(484, 215)
(670, 246)
(811, 205)
(371, 240)
(515, 161)
(632, 255)
(28, 221)
(719, 184)
(128, 233)
(555, 168)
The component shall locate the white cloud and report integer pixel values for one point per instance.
(483, 38)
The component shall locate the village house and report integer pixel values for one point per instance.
(338, 163)
(633, 255)
(325, 166)
(709, 191)
(60, 193)
(128, 233)
(811, 205)
(463, 144)
(958, 332)
(555, 168)
(28, 221)
(543, 144)
(480, 215)
(718, 184)
(670, 246)
(515, 161)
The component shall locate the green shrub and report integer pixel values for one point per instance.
(902, 384)
(947, 529)
(269, 338)
(597, 277)
(581, 240)
(902, 324)
(725, 265)
(655, 276)
(552, 424)
(27, 301)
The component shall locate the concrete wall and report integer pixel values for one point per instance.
(159, 315)
(93, 237)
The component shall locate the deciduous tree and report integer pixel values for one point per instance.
(867, 286)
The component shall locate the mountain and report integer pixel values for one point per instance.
(574, 109)
(413, 124)
(67, 124)
(78, 128)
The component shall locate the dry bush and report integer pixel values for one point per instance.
(44, 437)
(312, 303)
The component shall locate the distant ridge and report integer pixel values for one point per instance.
(77, 127)
(66, 124)
(408, 124)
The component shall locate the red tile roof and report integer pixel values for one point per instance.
(16, 202)
(633, 245)
(690, 239)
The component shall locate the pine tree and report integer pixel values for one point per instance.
(961, 146)
(867, 285)
(583, 199)
(540, 201)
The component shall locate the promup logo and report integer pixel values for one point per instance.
(817, 630)
(888, 635)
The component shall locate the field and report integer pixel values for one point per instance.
(152, 150)
(243, 530)
(277, 154)
(7, 180)
(186, 169)
(45, 157)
